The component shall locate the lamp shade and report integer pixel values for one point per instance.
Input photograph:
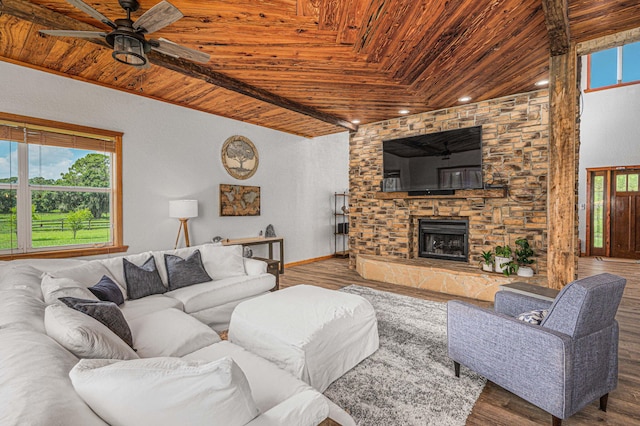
(183, 209)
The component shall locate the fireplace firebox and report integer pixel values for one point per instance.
(444, 239)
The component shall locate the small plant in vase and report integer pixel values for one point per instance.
(502, 259)
(487, 261)
(524, 253)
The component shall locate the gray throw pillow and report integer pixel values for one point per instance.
(185, 272)
(107, 313)
(142, 280)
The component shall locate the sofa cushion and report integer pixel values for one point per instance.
(107, 290)
(54, 288)
(185, 272)
(223, 261)
(170, 332)
(260, 373)
(166, 391)
(142, 280)
(214, 293)
(22, 277)
(87, 273)
(105, 312)
(84, 336)
(132, 309)
(34, 382)
(19, 309)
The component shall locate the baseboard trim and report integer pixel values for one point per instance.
(307, 261)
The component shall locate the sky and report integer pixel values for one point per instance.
(604, 66)
(45, 161)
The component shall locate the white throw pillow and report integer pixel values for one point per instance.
(222, 261)
(170, 332)
(84, 336)
(53, 288)
(165, 391)
(87, 274)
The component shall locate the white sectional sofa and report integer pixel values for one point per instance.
(42, 342)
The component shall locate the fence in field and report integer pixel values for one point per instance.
(8, 225)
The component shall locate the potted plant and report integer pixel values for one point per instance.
(502, 257)
(487, 261)
(524, 253)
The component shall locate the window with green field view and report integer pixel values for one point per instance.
(57, 189)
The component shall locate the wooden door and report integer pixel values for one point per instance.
(625, 214)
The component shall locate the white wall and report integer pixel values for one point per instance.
(609, 134)
(297, 176)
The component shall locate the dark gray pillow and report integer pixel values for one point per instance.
(142, 280)
(185, 272)
(107, 313)
(107, 291)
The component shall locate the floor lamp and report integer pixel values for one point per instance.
(183, 210)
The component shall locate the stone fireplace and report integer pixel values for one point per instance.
(515, 133)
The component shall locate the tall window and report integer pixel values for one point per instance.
(614, 67)
(59, 189)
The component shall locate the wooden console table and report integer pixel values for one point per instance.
(259, 241)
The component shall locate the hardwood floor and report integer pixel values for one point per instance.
(496, 406)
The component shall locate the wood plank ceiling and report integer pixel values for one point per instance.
(351, 59)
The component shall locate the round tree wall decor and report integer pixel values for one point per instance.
(240, 157)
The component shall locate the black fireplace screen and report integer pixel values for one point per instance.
(444, 239)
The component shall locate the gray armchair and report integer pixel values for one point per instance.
(561, 365)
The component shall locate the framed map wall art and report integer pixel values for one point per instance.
(239, 200)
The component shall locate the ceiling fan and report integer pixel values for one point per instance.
(128, 37)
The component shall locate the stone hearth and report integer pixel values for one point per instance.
(455, 278)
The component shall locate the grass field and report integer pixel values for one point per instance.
(49, 230)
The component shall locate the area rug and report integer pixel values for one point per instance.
(616, 259)
(410, 379)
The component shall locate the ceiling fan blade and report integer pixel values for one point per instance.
(77, 34)
(159, 16)
(172, 49)
(92, 12)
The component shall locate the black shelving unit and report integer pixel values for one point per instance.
(341, 224)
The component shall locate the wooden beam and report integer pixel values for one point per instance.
(563, 170)
(607, 42)
(556, 18)
(48, 18)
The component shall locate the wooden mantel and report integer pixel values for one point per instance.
(459, 193)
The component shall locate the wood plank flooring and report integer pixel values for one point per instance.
(496, 406)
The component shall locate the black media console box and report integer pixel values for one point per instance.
(432, 192)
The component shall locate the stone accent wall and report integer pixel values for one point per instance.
(515, 136)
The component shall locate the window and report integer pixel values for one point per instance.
(614, 67)
(60, 189)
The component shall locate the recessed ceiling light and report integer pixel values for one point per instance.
(464, 99)
(404, 111)
(542, 82)
(355, 121)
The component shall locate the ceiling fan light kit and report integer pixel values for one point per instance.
(129, 47)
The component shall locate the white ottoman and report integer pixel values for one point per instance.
(314, 333)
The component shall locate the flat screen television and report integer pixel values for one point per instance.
(442, 161)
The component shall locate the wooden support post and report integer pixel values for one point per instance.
(562, 200)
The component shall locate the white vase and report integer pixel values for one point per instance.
(501, 261)
(487, 267)
(525, 271)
